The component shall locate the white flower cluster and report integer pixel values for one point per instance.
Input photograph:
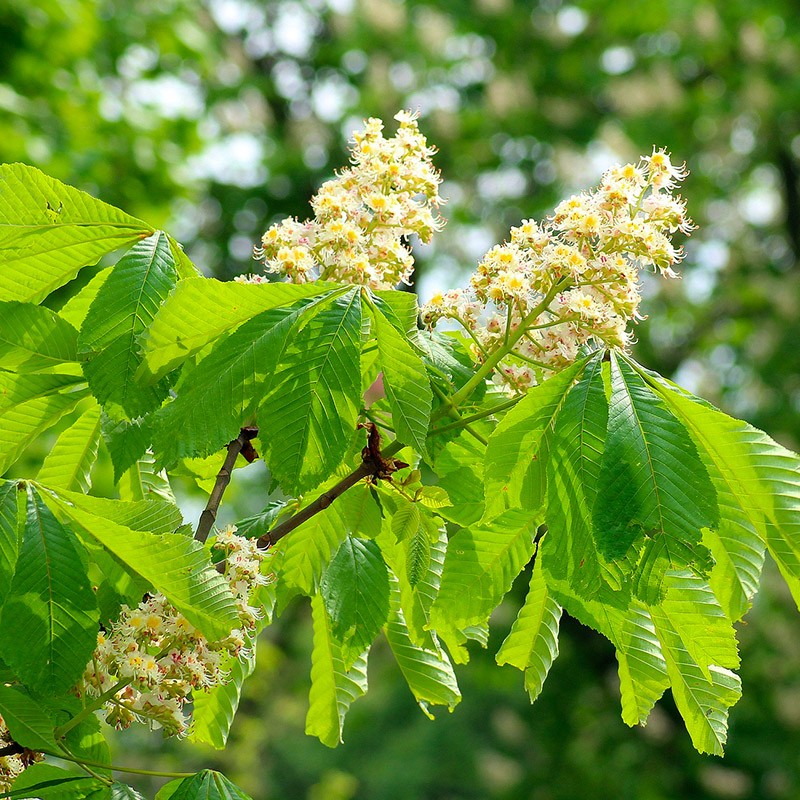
(159, 657)
(12, 765)
(556, 287)
(363, 216)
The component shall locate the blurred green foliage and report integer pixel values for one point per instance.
(217, 118)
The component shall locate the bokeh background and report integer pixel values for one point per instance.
(216, 118)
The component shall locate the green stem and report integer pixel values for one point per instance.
(495, 358)
(453, 411)
(464, 421)
(115, 768)
(59, 733)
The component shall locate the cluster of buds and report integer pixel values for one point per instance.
(363, 216)
(574, 281)
(158, 658)
(14, 763)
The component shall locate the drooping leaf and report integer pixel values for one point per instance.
(9, 534)
(406, 383)
(50, 605)
(34, 338)
(333, 687)
(121, 791)
(173, 564)
(654, 491)
(756, 483)
(183, 325)
(312, 404)
(86, 741)
(27, 721)
(515, 443)
(223, 391)
(69, 463)
(405, 521)
(144, 481)
(532, 644)
(49, 230)
(127, 441)
(572, 453)
(400, 308)
(355, 590)
(125, 305)
(206, 785)
(479, 568)
(702, 702)
(427, 671)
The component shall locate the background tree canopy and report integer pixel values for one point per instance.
(217, 119)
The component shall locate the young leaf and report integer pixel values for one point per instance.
(406, 382)
(515, 443)
(50, 230)
(26, 720)
(653, 487)
(69, 463)
(479, 568)
(206, 785)
(406, 520)
(76, 308)
(312, 405)
(427, 672)
(50, 605)
(34, 338)
(355, 589)
(333, 687)
(173, 564)
(532, 644)
(183, 324)
(125, 305)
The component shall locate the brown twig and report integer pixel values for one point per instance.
(241, 444)
(374, 464)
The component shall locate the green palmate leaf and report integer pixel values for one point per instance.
(49, 230)
(312, 405)
(125, 305)
(26, 720)
(532, 644)
(355, 590)
(655, 494)
(50, 605)
(120, 791)
(29, 405)
(573, 450)
(213, 710)
(428, 672)
(223, 391)
(34, 338)
(756, 483)
(69, 463)
(642, 668)
(173, 564)
(333, 687)
(406, 382)
(185, 266)
(459, 466)
(206, 785)
(516, 442)
(144, 481)
(183, 325)
(360, 512)
(74, 311)
(479, 568)
(9, 534)
(46, 782)
(702, 701)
